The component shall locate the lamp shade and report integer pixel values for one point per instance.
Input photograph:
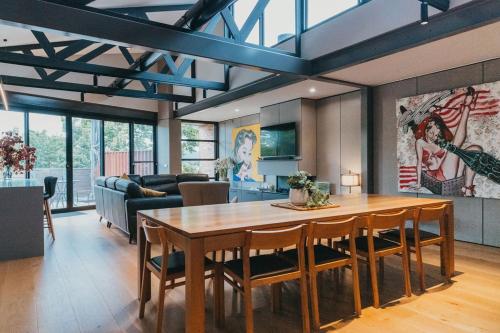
(350, 179)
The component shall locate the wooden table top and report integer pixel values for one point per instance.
(202, 221)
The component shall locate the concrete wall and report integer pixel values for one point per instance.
(477, 220)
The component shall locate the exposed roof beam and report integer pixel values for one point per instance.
(83, 88)
(442, 5)
(23, 47)
(112, 28)
(466, 17)
(268, 83)
(81, 67)
(150, 9)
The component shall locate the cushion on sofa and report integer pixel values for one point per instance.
(110, 182)
(192, 177)
(136, 179)
(100, 181)
(132, 189)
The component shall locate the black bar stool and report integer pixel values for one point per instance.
(50, 190)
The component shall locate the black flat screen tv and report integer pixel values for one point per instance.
(278, 141)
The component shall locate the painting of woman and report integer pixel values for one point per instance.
(466, 119)
(246, 150)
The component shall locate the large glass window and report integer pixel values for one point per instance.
(11, 121)
(143, 150)
(116, 148)
(47, 133)
(279, 21)
(321, 10)
(242, 9)
(199, 148)
(86, 159)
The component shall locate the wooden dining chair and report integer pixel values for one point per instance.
(321, 257)
(167, 267)
(49, 191)
(416, 238)
(269, 269)
(373, 248)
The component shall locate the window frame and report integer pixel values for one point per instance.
(215, 141)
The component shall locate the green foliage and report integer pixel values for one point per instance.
(301, 180)
(189, 132)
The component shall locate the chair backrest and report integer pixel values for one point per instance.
(153, 233)
(387, 221)
(333, 229)
(430, 214)
(204, 193)
(50, 186)
(274, 239)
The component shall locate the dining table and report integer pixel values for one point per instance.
(199, 230)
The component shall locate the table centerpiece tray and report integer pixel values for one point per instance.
(289, 205)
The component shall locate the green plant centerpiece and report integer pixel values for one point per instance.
(303, 191)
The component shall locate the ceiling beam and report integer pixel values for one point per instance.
(85, 68)
(150, 9)
(112, 28)
(83, 88)
(442, 5)
(265, 84)
(454, 21)
(23, 47)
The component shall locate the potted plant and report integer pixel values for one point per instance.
(300, 185)
(222, 167)
(15, 156)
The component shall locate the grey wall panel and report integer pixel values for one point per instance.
(491, 70)
(491, 222)
(270, 115)
(385, 142)
(350, 141)
(454, 78)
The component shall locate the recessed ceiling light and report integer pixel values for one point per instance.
(236, 110)
(312, 90)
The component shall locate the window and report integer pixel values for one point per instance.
(199, 147)
(242, 9)
(321, 10)
(116, 148)
(11, 121)
(279, 21)
(144, 162)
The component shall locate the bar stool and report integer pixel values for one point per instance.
(167, 268)
(416, 238)
(50, 189)
(269, 269)
(373, 248)
(321, 257)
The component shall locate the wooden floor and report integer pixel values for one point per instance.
(87, 283)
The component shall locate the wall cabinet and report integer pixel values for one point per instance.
(253, 195)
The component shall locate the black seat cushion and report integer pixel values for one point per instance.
(394, 235)
(362, 243)
(322, 255)
(192, 177)
(176, 262)
(262, 266)
(162, 183)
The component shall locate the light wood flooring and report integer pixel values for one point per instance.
(86, 282)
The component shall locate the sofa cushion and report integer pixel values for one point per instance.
(161, 183)
(110, 182)
(136, 179)
(132, 189)
(192, 177)
(100, 181)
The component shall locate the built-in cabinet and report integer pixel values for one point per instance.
(303, 113)
(245, 195)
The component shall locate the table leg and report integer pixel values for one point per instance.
(141, 255)
(219, 311)
(450, 234)
(195, 286)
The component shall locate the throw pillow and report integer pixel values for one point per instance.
(125, 176)
(149, 193)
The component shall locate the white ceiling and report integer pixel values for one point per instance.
(463, 49)
(252, 104)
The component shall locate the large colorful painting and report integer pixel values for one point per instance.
(246, 152)
(449, 142)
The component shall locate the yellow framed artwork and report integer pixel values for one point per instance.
(245, 153)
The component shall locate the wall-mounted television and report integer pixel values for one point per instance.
(278, 141)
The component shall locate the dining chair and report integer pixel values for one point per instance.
(269, 269)
(321, 257)
(167, 267)
(416, 238)
(373, 248)
(50, 189)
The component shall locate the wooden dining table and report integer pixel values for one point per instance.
(198, 230)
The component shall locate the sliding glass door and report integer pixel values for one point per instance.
(144, 161)
(86, 159)
(47, 133)
(116, 148)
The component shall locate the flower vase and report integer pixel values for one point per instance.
(7, 172)
(223, 176)
(299, 197)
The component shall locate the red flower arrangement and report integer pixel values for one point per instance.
(14, 154)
